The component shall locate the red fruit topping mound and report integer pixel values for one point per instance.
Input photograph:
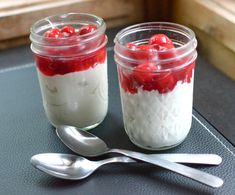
(87, 29)
(149, 79)
(68, 31)
(149, 76)
(53, 33)
(64, 64)
(160, 39)
(141, 52)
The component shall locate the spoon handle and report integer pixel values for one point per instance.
(117, 159)
(197, 175)
(206, 159)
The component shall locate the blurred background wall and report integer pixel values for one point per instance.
(212, 20)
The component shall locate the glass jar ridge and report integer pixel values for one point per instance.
(41, 45)
(182, 37)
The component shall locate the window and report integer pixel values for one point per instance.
(16, 16)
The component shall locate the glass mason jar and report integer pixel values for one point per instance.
(156, 85)
(72, 70)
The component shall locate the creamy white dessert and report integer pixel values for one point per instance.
(77, 98)
(153, 120)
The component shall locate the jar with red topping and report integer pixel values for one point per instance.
(71, 61)
(155, 63)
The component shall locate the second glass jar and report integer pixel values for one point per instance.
(156, 82)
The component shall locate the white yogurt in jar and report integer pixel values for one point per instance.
(79, 98)
(158, 121)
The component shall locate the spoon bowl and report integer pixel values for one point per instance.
(68, 166)
(81, 142)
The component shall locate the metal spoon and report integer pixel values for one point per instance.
(68, 166)
(206, 159)
(87, 144)
(74, 142)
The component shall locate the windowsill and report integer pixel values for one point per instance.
(214, 24)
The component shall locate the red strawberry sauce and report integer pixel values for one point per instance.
(50, 66)
(150, 76)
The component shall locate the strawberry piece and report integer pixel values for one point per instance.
(53, 33)
(63, 66)
(44, 64)
(161, 42)
(87, 29)
(131, 53)
(189, 72)
(100, 57)
(127, 82)
(164, 82)
(141, 52)
(78, 64)
(146, 76)
(185, 74)
(68, 31)
(163, 47)
(145, 52)
(167, 54)
(143, 73)
(160, 39)
(53, 37)
(132, 46)
(145, 47)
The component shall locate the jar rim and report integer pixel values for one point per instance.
(34, 36)
(186, 49)
(82, 44)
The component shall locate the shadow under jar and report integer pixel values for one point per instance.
(72, 68)
(156, 82)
